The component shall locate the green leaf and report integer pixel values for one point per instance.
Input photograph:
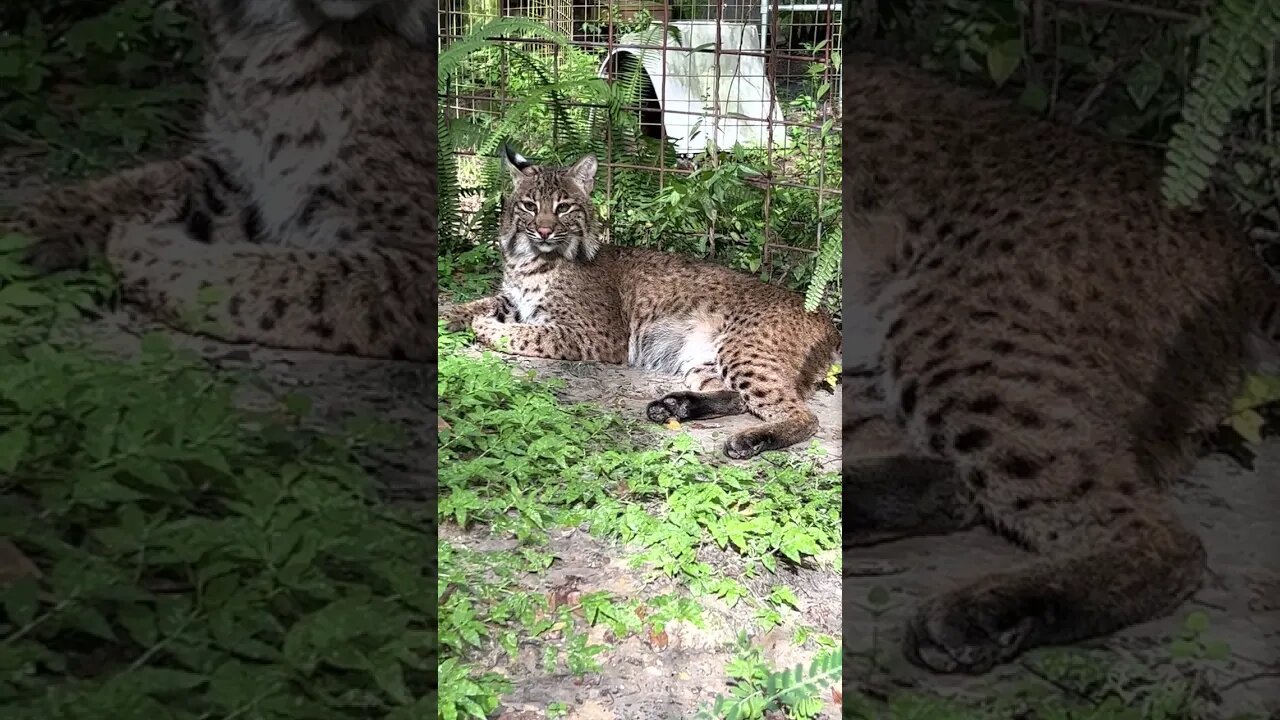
(298, 404)
(210, 295)
(1003, 59)
(140, 622)
(156, 344)
(13, 242)
(1217, 650)
(21, 295)
(389, 674)
(21, 600)
(1034, 97)
(48, 127)
(783, 595)
(13, 447)
(219, 590)
(159, 681)
(1182, 649)
(89, 620)
(1248, 424)
(1196, 622)
(1143, 82)
(233, 684)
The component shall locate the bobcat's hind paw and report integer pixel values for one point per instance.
(972, 632)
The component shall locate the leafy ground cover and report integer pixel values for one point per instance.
(700, 548)
(167, 553)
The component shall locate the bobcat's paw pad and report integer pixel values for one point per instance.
(748, 444)
(59, 252)
(674, 405)
(964, 632)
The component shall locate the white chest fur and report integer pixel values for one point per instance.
(529, 297)
(283, 148)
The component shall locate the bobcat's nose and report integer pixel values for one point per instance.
(544, 232)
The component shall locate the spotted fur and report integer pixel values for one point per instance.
(305, 216)
(740, 344)
(1040, 340)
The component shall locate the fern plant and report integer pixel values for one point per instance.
(826, 269)
(583, 115)
(557, 113)
(449, 63)
(760, 692)
(1232, 58)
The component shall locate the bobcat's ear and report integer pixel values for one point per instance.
(583, 172)
(516, 163)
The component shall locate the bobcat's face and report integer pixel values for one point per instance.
(549, 211)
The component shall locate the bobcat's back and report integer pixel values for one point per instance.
(1044, 339)
(1027, 250)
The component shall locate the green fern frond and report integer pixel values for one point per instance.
(1232, 55)
(825, 270)
(452, 57)
(449, 187)
(562, 126)
(793, 687)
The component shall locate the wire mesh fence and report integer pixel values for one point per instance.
(717, 124)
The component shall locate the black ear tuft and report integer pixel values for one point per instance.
(517, 160)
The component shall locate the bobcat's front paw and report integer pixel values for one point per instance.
(972, 631)
(489, 331)
(454, 320)
(504, 310)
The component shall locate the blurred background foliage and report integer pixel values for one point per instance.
(1193, 79)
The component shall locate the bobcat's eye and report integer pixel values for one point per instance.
(564, 207)
(529, 206)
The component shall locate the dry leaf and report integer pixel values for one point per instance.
(658, 639)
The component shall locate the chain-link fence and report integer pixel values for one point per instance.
(717, 125)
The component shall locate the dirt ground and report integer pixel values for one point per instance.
(646, 677)
(641, 679)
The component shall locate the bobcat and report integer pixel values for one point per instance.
(309, 201)
(1041, 340)
(741, 345)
